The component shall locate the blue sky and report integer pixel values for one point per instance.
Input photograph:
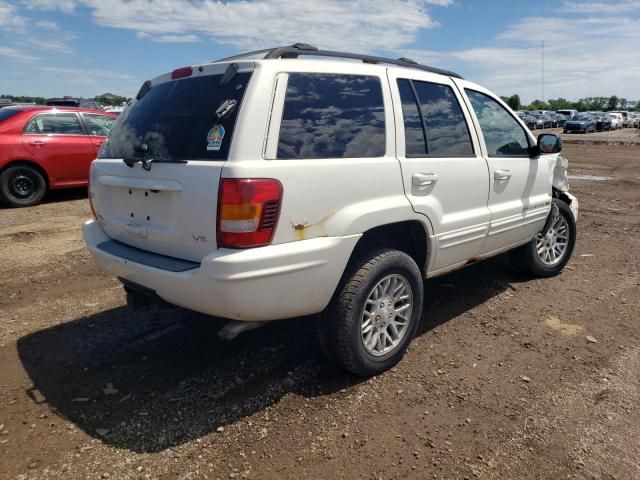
(88, 47)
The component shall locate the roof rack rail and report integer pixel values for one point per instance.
(298, 49)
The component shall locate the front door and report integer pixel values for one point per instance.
(445, 176)
(520, 193)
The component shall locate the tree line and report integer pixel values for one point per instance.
(588, 104)
(105, 99)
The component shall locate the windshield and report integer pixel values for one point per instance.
(6, 113)
(580, 118)
(179, 120)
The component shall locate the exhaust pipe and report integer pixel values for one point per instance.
(233, 328)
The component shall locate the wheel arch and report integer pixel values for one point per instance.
(28, 163)
(409, 236)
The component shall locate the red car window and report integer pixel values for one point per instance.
(55, 124)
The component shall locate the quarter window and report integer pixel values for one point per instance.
(503, 135)
(55, 124)
(434, 123)
(98, 124)
(332, 116)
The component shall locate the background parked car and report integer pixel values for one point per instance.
(568, 113)
(560, 119)
(625, 118)
(616, 120)
(603, 122)
(542, 120)
(582, 122)
(528, 120)
(43, 148)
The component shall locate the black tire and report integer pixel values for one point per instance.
(340, 326)
(22, 186)
(526, 258)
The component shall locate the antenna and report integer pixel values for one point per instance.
(543, 70)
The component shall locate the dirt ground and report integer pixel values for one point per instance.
(509, 378)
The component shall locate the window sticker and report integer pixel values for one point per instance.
(214, 138)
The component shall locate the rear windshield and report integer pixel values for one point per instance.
(7, 113)
(177, 120)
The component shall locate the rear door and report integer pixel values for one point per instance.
(56, 141)
(98, 127)
(182, 129)
(445, 176)
(520, 194)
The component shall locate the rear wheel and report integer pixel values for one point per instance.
(374, 314)
(548, 252)
(21, 186)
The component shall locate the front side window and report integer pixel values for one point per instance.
(98, 124)
(332, 116)
(503, 135)
(55, 124)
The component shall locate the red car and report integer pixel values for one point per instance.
(45, 148)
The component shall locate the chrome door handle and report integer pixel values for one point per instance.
(424, 179)
(502, 174)
(37, 143)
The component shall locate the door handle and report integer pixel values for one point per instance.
(502, 174)
(37, 143)
(99, 144)
(424, 179)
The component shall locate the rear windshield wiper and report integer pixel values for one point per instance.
(146, 162)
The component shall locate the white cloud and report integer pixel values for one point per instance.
(17, 54)
(48, 25)
(50, 45)
(607, 8)
(360, 25)
(81, 75)
(168, 38)
(585, 55)
(9, 18)
(66, 6)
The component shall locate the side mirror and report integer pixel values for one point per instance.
(548, 143)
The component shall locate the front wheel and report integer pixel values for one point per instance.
(374, 314)
(548, 253)
(21, 186)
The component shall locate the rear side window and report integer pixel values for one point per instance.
(98, 124)
(434, 123)
(332, 116)
(177, 120)
(55, 124)
(6, 113)
(503, 135)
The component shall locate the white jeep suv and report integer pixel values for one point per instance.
(295, 181)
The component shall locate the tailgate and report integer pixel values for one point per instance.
(170, 209)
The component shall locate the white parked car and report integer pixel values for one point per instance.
(298, 183)
(616, 120)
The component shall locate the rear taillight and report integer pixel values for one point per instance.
(248, 211)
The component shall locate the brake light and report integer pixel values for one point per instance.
(248, 211)
(181, 73)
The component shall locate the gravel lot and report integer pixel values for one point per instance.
(508, 378)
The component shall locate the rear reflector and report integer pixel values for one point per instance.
(181, 72)
(248, 211)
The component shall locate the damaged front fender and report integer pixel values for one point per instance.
(560, 178)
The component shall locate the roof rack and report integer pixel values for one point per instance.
(304, 49)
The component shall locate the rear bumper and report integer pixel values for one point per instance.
(266, 283)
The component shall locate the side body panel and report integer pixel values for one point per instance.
(323, 197)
